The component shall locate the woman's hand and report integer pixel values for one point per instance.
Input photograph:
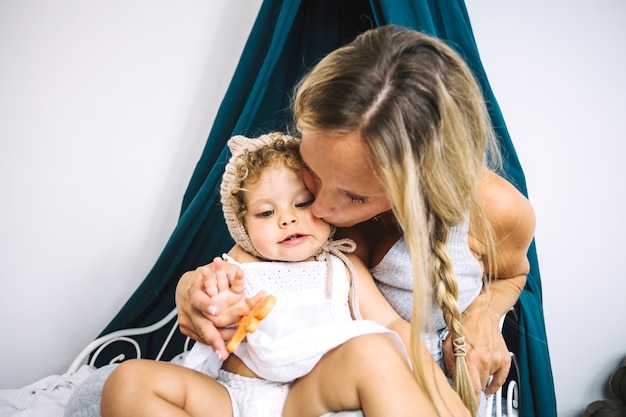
(210, 300)
(487, 353)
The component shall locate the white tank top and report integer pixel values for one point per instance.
(394, 276)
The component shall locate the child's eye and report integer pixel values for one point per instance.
(265, 214)
(304, 204)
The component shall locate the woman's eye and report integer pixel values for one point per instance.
(357, 200)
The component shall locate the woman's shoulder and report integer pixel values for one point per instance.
(505, 207)
(512, 219)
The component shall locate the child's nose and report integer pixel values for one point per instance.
(288, 219)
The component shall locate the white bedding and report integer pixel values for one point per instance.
(49, 396)
(44, 398)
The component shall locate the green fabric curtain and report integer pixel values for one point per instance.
(287, 38)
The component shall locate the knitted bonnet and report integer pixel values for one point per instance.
(239, 146)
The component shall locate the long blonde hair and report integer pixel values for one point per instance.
(423, 118)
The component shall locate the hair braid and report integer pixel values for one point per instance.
(445, 289)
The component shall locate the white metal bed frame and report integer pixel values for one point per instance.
(95, 348)
(90, 354)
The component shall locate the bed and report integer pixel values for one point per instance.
(49, 396)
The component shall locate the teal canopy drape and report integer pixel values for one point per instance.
(288, 37)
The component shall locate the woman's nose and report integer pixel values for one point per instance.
(320, 208)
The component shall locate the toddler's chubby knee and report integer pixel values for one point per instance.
(372, 347)
(119, 388)
(126, 371)
(124, 379)
(374, 356)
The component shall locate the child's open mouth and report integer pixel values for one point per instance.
(293, 237)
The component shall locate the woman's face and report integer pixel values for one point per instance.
(337, 172)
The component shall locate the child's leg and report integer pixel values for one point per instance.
(368, 373)
(150, 388)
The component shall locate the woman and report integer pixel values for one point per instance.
(395, 141)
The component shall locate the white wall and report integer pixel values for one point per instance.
(558, 70)
(104, 110)
(105, 107)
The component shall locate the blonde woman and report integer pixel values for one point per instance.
(395, 140)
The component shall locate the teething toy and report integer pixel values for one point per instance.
(250, 322)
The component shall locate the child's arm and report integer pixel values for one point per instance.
(374, 306)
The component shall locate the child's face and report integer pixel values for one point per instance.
(279, 219)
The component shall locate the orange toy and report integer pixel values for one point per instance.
(250, 322)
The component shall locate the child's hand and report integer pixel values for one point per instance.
(225, 287)
(223, 282)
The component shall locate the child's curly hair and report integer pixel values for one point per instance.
(251, 163)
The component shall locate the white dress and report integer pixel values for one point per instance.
(304, 324)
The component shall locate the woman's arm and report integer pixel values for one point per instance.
(513, 221)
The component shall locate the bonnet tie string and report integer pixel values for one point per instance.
(339, 248)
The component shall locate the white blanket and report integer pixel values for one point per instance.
(44, 398)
